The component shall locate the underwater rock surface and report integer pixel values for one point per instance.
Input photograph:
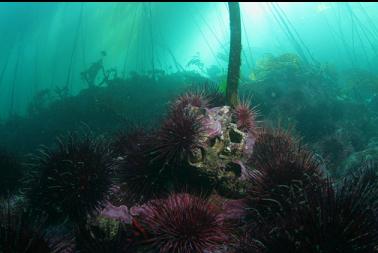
(226, 148)
(368, 155)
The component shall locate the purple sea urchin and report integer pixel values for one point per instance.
(73, 180)
(183, 224)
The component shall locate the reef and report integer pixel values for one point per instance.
(335, 112)
(117, 104)
(197, 176)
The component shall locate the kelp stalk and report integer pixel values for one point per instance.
(234, 57)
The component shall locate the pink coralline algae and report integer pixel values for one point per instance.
(120, 213)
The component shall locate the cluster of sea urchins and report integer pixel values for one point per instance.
(290, 206)
(72, 181)
(154, 164)
(335, 218)
(162, 161)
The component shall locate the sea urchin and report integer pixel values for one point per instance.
(183, 224)
(196, 99)
(336, 219)
(245, 117)
(71, 181)
(282, 160)
(181, 133)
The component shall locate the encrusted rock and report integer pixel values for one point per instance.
(225, 149)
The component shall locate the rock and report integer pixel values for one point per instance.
(357, 159)
(226, 148)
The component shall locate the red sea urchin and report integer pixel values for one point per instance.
(141, 178)
(125, 143)
(245, 117)
(72, 181)
(183, 224)
(196, 99)
(335, 219)
(210, 92)
(279, 166)
(181, 133)
(160, 163)
(282, 160)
